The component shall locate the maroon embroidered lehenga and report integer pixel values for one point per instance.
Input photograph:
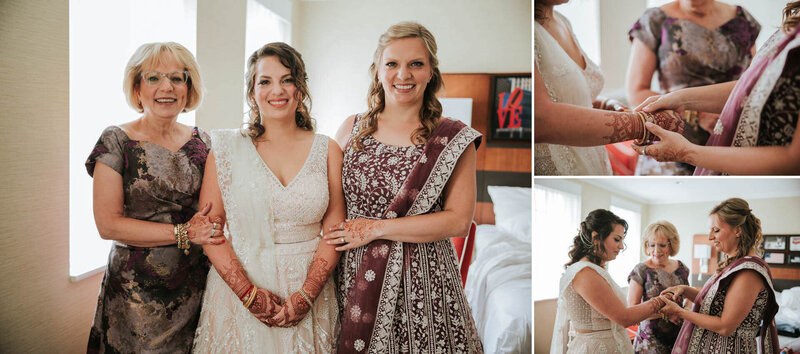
(400, 297)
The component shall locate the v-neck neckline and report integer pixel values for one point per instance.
(574, 42)
(191, 137)
(300, 172)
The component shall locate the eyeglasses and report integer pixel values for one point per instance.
(176, 78)
(660, 245)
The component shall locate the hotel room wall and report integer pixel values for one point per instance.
(338, 39)
(41, 310)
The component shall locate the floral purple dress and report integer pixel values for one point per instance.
(657, 336)
(690, 55)
(150, 296)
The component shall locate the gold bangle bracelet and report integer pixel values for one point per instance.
(303, 294)
(641, 141)
(251, 298)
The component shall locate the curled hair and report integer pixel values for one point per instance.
(538, 11)
(431, 110)
(151, 55)
(791, 16)
(736, 212)
(601, 222)
(293, 61)
(666, 229)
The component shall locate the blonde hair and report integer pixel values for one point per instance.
(791, 16)
(431, 110)
(666, 229)
(154, 54)
(292, 60)
(736, 212)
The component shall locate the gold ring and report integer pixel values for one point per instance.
(644, 150)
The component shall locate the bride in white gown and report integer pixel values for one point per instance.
(270, 289)
(569, 134)
(591, 316)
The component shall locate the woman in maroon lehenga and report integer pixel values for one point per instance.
(409, 183)
(737, 304)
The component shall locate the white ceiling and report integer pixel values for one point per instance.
(671, 190)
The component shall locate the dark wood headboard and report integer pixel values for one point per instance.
(496, 165)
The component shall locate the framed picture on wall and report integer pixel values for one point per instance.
(794, 243)
(775, 243)
(774, 257)
(511, 109)
(794, 259)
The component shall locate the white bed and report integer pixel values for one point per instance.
(788, 313)
(498, 284)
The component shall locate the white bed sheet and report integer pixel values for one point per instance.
(498, 289)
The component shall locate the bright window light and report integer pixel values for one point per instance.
(584, 16)
(263, 26)
(102, 37)
(556, 218)
(621, 267)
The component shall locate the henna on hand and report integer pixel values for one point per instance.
(318, 274)
(673, 154)
(624, 126)
(362, 228)
(299, 305)
(235, 276)
(669, 120)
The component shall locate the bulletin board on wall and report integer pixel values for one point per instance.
(782, 250)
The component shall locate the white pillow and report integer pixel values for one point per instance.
(512, 210)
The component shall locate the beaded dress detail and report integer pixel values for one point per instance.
(274, 230)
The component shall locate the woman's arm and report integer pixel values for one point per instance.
(710, 98)
(223, 257)
(344, 131)
(739, 299)
(641, 66)
(760, 160)
(108, 199)
(326, 256)
(454, 220)
(635, 291)
(596, 291)
(566, 124)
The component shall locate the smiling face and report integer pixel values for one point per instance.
(722, 235)
(404, 71)
(275, 90)
(614, 243)
(167, 99)
(658, 247)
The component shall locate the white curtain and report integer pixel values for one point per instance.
(556, 218)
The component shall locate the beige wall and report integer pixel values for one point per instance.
(338, 37)
(41, 310)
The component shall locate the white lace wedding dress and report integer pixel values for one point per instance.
(566, 82)
(274, 230)
(573, 312)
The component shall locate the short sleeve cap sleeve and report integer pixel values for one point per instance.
(637, 274)
(648, 28)
(204, 137)
(108, 150)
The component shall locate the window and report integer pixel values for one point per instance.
(584, 17)
(556, 216)
(262, 26)
(622, 266)
(102, 37)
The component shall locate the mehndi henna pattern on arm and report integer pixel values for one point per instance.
(362, 228)
(624, 126)
(674, 154)
(669, 120)
(318, 274)
(236, 277)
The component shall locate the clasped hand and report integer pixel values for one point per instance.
(273, 312)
